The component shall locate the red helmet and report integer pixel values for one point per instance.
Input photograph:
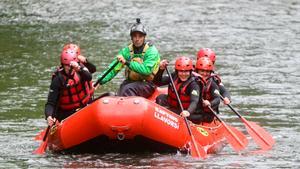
(207, 52)
(204, 63)
(72, 47)
(67, 56)
(184, 63)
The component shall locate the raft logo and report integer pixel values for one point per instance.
(166, 117)
(202, 131)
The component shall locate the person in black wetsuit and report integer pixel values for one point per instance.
(186, 86)
(204, 68)
(70, 87)
(207, 52)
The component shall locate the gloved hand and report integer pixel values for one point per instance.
(81, 59)
(96, 87)
(185, 113)
(75, 66)
(163, 64)
(121, 59)
(206, 103)
(226, 101)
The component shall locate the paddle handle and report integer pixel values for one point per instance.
(106, 73)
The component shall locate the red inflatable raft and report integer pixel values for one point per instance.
(116, 124)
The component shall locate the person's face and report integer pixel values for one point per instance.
(183, 74)
(138, 39)
(204, 73)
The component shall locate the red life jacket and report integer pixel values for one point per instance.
(207, 89)
(75, 94)
(181, 88)
(58, 69)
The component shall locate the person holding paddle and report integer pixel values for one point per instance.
(141, 59)
(204, 68)
(185, 83)
(70, 88)
(207, 52)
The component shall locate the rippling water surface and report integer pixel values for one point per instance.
(258, 56)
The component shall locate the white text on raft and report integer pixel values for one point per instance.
(166, 117)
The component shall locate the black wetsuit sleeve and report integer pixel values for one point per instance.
(158, 77)
(91, 67)
(53, 96)
(224, 92)
(161, 80)
(195, 95)
(85, 75)
(216, 99)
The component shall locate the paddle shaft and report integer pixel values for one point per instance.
(47, 130)
(43, 146)
(46, 133)
(106, 73)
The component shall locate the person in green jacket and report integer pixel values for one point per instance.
(141, 59)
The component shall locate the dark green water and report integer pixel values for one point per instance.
(258, 56)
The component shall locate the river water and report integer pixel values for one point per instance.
(257, 43)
